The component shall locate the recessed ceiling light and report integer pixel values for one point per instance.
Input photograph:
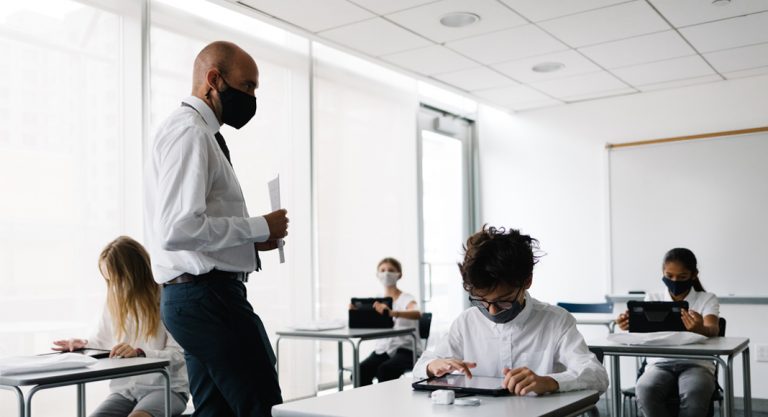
(459, 19)
(721, 3)
(548, 67)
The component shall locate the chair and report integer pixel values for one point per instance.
(425, 324)
(629, 394)
(587, 307)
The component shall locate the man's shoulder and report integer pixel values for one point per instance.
(184, 122)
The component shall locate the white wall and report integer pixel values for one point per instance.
(544, 171)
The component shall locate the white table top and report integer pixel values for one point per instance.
(397, 398)
(594, 318)
(102, 368)
(346, 333)
(711, 346)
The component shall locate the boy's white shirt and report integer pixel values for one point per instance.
(160, 346)
(542, 338)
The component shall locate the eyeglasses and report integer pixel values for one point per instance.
(500, 305)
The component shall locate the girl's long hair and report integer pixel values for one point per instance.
(132, 293)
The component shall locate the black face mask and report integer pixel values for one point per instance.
(237, 107)
(677, 287)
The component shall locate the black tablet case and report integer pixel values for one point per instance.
(363, 316)
(655, 316)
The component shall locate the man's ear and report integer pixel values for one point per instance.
(212, 79)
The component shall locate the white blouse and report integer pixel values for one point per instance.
(161, 346)
(392, 344)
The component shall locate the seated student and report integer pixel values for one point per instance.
(130, 326)
(507, 333)
(393, 356)
(694, 379)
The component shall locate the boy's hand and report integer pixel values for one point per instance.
(522, 381)
(623, 320)
(69, 345)
(440, 367)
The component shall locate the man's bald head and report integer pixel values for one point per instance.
(221, 65)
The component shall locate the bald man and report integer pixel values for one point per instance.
(203, 243)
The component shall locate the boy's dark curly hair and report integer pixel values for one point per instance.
(497, 256)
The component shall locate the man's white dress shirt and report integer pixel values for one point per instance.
(195, 214)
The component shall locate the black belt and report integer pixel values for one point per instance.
(213, 274)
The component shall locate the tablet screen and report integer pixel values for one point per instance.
(461, 381)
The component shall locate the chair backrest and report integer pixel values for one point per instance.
(721, 322)
(587, 308)
(425, 322)
(598, 353)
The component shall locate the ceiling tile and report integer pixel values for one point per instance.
(375, 37)
(516, 96)
(425, 19)
(580, 85)
(312, 15)
(606, 24)
(747, 57)
(521, 70)
(730, 33)
(389, 6)
(507, 45)
(430, 60)
(690, 12)
(538, 10)
(662, 71)
(680, 83)
(754, 72)
(600, 94)
(475, 79)
(639, 50)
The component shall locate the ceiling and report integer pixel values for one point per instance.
(607, 47)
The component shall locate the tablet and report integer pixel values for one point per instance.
(363, 316)
(481, 385)
(656, 316)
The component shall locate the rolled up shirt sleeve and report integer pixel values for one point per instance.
(582, 370)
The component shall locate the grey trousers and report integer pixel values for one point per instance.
(695, 385)
(153, 403)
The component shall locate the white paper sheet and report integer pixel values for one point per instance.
(44, 363)
(657, 338)
(274, 197)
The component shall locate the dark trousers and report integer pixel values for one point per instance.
(230, 362)
(384, 367)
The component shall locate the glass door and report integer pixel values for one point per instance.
(445, 157)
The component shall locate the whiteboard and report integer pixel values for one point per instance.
(708, 195)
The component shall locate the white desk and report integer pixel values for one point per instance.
(711, 349)
(103, 369)
(397, 398)
(598, 319)
(352, 336)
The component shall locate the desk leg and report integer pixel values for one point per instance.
(80, 400)
(728, 407)
(616, 386)
(19, 397)
(341, 366)
(356, 363)
(277, 357)
(747, 383)
(167, 377)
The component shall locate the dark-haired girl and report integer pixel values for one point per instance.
(694, 379)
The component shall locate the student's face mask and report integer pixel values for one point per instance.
(388, 279)
(504, 316)
(677, 287)
(237, 107)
